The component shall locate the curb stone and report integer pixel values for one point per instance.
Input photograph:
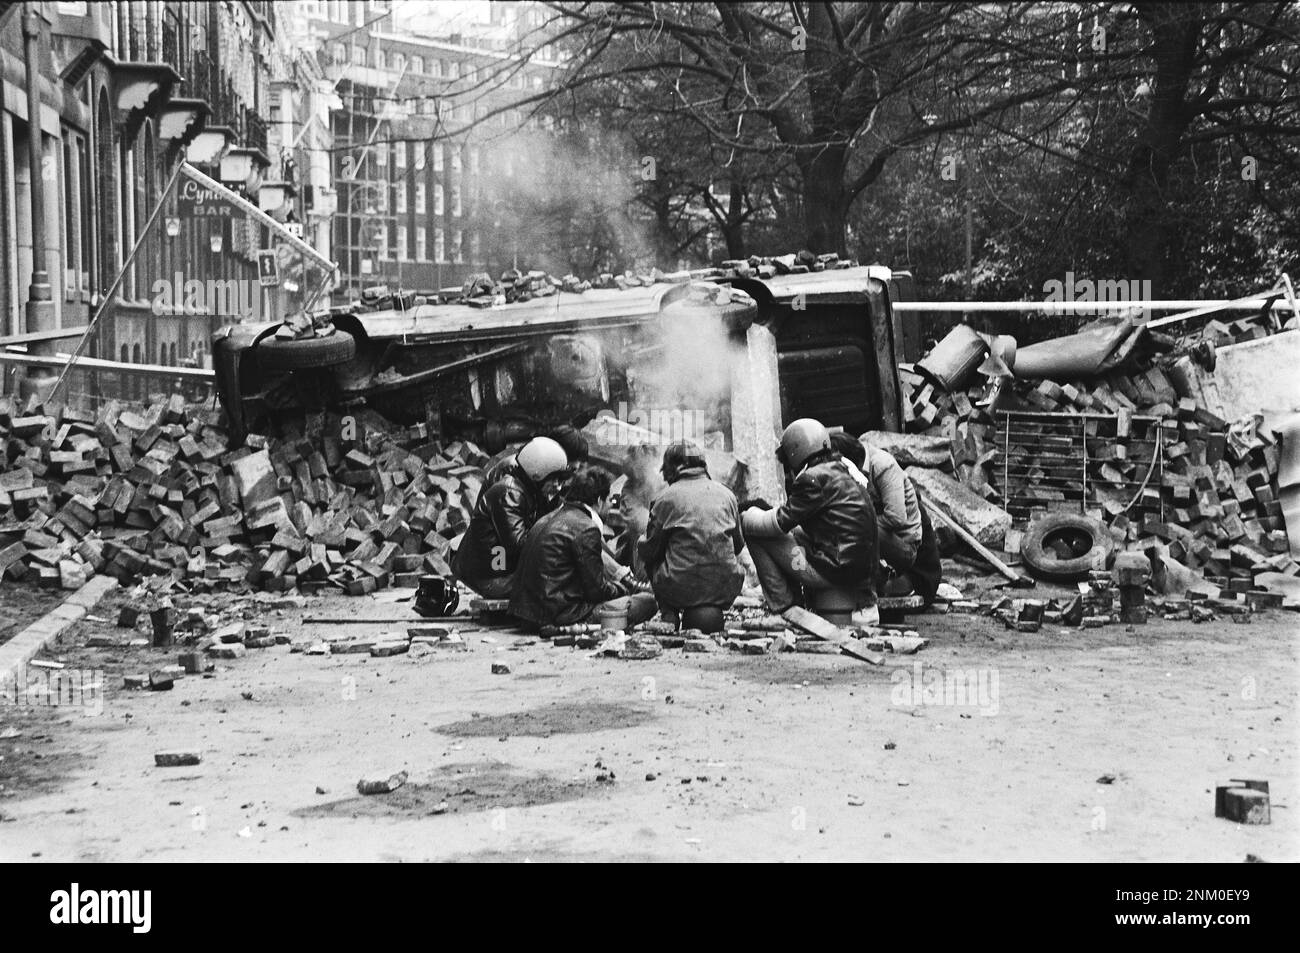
(24, 646)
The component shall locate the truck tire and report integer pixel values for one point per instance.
(274, 354)
(1063, 547)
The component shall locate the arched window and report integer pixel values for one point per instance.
(137, 385)
(417, 64)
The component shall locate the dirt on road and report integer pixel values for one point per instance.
(21, 604)
(1099, 745)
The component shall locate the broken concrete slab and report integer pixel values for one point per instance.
(986, 522)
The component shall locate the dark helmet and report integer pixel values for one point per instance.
(801, 440)
(681, 455)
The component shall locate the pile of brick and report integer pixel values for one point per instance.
(1212, 499)
(770, 266)
(330, 502)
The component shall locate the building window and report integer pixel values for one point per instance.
(455, 159)
(359, 55)
(399, 62)
(384, 253)
(453, 69)
(437, 199)
(439, 245)
(456, 247)
(419, 244)
(475, 247)
(437, 157)
(455, 198)
(401, 243)
(381, 156)
(401, 198)
(340, 53)
(420, 153)
(400, 156)
(421, 206)
(380, 59)
(417, 64)
(436, 67)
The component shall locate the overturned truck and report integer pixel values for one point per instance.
(733, 356)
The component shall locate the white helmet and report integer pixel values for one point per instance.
(541, 458)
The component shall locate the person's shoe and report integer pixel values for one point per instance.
(866, 618)
(900, 585)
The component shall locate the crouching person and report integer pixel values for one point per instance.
(507, 507)
(562, 577)
(692, 538)
(907, 542)
(824, 535)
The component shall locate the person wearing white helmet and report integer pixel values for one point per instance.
(824, 535)
(504, 513)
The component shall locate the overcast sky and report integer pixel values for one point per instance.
(444, 15)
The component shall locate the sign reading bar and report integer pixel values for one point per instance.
(198, 202)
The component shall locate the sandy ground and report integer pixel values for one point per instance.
(686, 757)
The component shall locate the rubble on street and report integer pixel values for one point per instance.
(1135, 450)
(159, 492)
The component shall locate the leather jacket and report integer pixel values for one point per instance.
(839, 519)
(503, 514)
(561, 576)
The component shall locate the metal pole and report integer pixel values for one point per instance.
(112, 289)
(1251, 303)
(1083, 430)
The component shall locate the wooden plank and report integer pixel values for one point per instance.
(815, 625)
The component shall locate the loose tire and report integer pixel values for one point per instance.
(276, 355)
(1063, 547)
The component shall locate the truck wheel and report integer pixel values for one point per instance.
(274, 354)
(1063, 547)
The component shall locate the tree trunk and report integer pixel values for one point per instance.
(825, 200)
(733, 226)
(1175, 31)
